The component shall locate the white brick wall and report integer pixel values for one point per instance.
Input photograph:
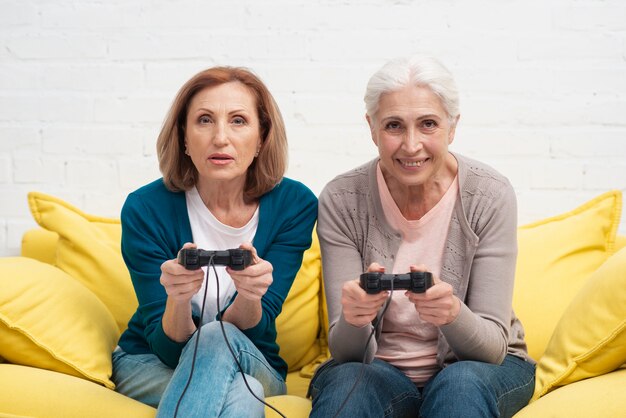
(85, 85)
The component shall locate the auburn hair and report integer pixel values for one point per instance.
(265, 172)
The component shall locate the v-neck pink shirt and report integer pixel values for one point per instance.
(406, 341)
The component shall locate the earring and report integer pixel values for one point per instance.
(256, 154)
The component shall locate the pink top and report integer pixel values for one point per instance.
(406, 341)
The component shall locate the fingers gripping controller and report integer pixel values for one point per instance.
(194, 258)
(415, 281)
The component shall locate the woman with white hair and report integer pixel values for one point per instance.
(455, 349)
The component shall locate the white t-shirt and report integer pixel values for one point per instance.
(210, 234)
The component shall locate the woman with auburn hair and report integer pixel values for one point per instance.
(223, 153)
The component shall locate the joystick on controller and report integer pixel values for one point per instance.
(194, 258)
(415, 281)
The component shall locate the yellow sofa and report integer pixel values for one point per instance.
(65, 300)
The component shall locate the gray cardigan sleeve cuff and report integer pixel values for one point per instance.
(347, 342)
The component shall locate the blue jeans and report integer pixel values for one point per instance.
(463, 389)
(217, 388)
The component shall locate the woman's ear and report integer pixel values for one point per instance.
(370, 122)
(453, 129)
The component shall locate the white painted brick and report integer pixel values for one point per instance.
(602, 176)
(45, 108)
(307, 168)
(576, 81)
(191, 14)
(158, 45)
(38, 170)
(17, 13)
(296, 79)
(586, 143)
(149, 137)
(4, 251)
(94, 16)
(136, 172)
(518, 142)
(131, 109)
(556, 174)
(589, 16)
(88, 83)
(20, 140)
(92, 140)
(103, 204)
(56, 45)
(5, 169)
(577, 47)
(168, 77)
(517, 80)
(14, 202)
(15, 231)
(328, 110)
(92, 174)
(93, 77)
(20, 76)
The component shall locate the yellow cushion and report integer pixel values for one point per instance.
(556, 256)
(50, 321)
(298, 324)
(590, 338)
(599, 397)
(289, 406)
(89, 250)
(31, 392)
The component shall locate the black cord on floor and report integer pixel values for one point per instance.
(232, 352)
(358, 379)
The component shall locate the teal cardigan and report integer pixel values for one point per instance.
(155, 225)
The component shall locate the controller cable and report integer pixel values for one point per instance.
(377, 322)
(211, 264)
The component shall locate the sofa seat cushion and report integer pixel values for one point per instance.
(556, 256)
(288, 405)
(50, 321)
(598, 397)
(32, 392)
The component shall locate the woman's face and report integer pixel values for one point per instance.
(412, 132)
(223, 132)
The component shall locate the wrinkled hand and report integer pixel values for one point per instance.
(253, 281)
(359, 308)
(180, 284)
(438, 305)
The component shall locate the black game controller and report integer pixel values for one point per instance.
(194, 258)
(415, 281)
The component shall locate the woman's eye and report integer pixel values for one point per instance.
(239, 121)
(204, 119)
(393, 126)
(429, 124)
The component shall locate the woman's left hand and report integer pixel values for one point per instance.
(253, 281)
(438, 305)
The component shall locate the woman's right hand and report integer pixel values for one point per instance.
(180, 284)
(360, 308)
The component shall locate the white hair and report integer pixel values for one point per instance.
(417, 70)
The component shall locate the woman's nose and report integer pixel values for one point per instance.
(412, 141)
(220, 135)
